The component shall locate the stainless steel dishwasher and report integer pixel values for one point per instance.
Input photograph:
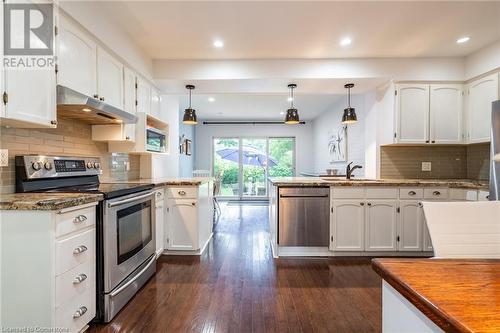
(304, 218)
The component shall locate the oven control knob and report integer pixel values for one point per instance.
(47, 166)
(90, 165)
(36, 165)
(97, 165)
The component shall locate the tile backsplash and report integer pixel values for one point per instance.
(448, 162)
(70, 138)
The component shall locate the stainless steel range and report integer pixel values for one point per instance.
(125, 223)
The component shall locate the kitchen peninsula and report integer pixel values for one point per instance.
(310, 216)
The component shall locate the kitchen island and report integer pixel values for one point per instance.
(370, 217)
(450, 295)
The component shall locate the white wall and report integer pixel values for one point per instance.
(482, 61)
(328, 121)
(302, 133)
(186, 162)
(99, 24)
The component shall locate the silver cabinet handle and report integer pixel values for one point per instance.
(362, 203)
(369, 204)
(420, 204)
(158, 194)
(80, 278)
(80, 218)
(80, 249)
(128, 283)
(412, 193)
(436, 193)
(80, 312)
(193, 204)
(182, 192)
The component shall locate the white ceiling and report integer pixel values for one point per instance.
(307, 29)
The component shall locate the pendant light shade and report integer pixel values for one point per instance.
(190, 113)
(292, 114)
(349, 116)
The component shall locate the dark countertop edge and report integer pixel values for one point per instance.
(51, 204)
(438, 317)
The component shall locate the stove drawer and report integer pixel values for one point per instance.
(74, 251)
(74, 220)
(75, 283)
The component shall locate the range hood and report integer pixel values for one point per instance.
(74, 105)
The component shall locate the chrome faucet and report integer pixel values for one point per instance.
(349, 170)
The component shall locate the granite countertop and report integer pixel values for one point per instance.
(458, 295)
(194, 181)
(315, 181)
(45, 201)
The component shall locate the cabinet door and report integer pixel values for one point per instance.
(412, 110)
(446, 105)
(410, 230)
(381, 225)
(109, 79)
(143, 96)
(160, 217)
(427, 244)
(76, 58)
(182, 219)
(347, 225)
(155, 103)
(481, 93)
(129, 100)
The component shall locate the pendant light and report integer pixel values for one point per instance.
(292, 114)
(190, 113)
(349, 116)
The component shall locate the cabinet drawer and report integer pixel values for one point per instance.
(74, 220)
(75, 283)
(463, 195)
(182, 192)
(348, 193)
(74, 251)
(77, 313)
(381, 193)
(436, 193)
(483, 195)
(411, 193)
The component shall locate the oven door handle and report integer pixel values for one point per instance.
(117, 203)
(119, 290)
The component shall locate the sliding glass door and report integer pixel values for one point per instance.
(241, 165)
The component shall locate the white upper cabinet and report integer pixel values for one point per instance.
(446, 105)
(76, 58)
(481, 93)
(109, 79)
(129, 92)
(155, 103)
(28, 95)
(143, 96)
(381, 225)
(412, 112)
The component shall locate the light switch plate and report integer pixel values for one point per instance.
(426, 166)
(4, 157)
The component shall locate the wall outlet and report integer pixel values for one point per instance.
(127, 166)
(4, 157)
(426, 166)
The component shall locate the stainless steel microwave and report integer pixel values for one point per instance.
(156, 141)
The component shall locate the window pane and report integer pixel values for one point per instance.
(254, 159)
(226, 165)
(281, 157)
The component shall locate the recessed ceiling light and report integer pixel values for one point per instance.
(289, 99)
(462, 40)
(211, 99)
(218, 43)
(345, 41)
(282, 113)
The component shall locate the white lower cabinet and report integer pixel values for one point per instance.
(381, 225)
(160, 220)
(188, 225)
(55, 285)
(410, 226)
(427, 245)
(347, 225)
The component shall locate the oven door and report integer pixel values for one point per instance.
(129, 235)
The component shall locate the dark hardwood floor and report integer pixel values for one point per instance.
(236, 286)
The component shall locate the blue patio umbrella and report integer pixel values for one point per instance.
(250, 156)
